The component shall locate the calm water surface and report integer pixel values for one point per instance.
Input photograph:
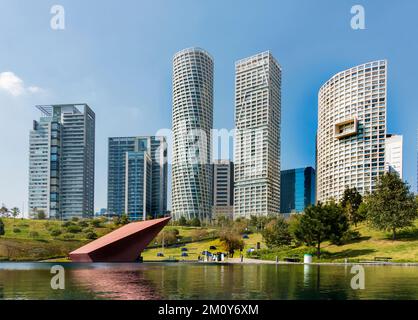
(199, 281)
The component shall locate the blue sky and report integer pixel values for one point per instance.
(116, 56)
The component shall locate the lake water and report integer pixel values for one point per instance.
(204, 281)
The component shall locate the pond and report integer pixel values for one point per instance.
(205, 281)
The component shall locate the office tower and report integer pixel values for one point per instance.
(138, 173)
(351, 134)
(297, 189)
(223, 188)
(192, 125)
(393, 154)
(137, 176)
(61, 162)
(257, 140)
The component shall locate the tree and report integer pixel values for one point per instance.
(195, 222)
(2, 231)
(199, 234)
(351, 202)
(276, 233)
(40, 214)
(320, 223)
(391, 206)
(124, 219)
(4, 211)
(182, 221)
(15, 212)
(232, 241)
(168, 236)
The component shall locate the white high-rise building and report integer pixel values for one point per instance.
(351, 136)
(393, 154)
(257, 140)
(192, 125)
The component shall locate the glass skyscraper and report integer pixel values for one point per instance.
(297, 190)
(137, 176)
(61, 162)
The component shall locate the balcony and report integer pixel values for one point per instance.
(346, 128)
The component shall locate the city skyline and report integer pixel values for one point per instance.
(69, 75)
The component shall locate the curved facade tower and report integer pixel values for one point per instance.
(192, 125)
(351, 130)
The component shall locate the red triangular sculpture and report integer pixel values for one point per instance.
(122, 245)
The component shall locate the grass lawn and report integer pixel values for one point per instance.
(371, 244)
(22, 245)
(195, 249)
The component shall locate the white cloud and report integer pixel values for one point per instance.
(12, 84)
(35, 89)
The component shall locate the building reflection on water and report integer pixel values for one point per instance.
(115, 284)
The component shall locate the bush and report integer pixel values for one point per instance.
(67, 224)
(74, 219)
(91, 236)
(73, 229)
(96, 223)
(55, 233)
(68, 236)
(16, 230)
(83, 224)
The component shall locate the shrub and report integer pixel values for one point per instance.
(16, 230)
(55, 233)
(91, 236)
(74, 219)
(83, 224)
(68, 236)
(67, 224)
(73, 229)
(87, 230)
(96, 223)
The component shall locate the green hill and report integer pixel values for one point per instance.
(34, 240)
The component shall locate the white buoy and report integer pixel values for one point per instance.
(307, 258)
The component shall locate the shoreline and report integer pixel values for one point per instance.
(233, 261)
